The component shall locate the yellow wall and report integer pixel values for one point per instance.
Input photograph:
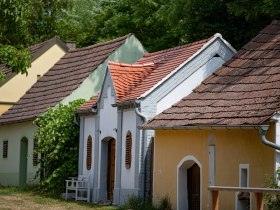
(16, 87)
(233, 147)
(4, 107)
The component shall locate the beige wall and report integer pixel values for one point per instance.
(4, 107)
(16, 87)
(233, 147)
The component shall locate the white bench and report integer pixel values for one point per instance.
(80, 186)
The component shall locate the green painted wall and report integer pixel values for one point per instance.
(9, 167)
(129, 52)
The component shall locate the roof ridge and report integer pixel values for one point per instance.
(178, 47)
(121, 64)
(103, 43)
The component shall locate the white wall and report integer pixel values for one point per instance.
(89, 129)
(189, 84)
(129, 124)
(108, 117)
(9, 168)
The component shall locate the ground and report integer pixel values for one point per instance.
(13, 199)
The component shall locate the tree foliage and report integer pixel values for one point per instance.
(24, 23)
(57, 141)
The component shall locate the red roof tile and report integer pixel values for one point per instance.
(128, 76)
(63, 78)
(87, 107)
(244, 91)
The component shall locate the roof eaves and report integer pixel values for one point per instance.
(17, 121)
(207, 44)
(198, 127)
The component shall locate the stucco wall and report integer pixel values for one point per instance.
(129, 124)
(89, 130)
(16, 87)
(233, 147)
(9, 168)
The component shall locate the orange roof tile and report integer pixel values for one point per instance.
(127, 76)
(166, 61)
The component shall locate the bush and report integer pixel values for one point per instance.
(272, 201)
(58, 144)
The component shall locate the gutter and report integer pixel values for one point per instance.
(262, 130)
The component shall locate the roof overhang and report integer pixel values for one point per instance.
(200, 127)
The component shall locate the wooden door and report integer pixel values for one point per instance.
(193, 180)
(23, 162)
(111, 169)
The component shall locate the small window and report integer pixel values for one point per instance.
(35, 156)
(89, 152)
(5, 149)
(128, 145)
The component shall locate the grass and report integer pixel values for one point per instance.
(12, 198)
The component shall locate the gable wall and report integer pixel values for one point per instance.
(129, 52)
(17, 86)
(182, 82)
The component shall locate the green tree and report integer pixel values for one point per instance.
(57, 141)
(22, 24)
(198, 19)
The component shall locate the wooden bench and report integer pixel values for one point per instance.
(80, 186)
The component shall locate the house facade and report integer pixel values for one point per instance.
(78, 74)
(225, 133)
(43, 56)
(113, 151)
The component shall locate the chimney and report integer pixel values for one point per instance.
(71, 45)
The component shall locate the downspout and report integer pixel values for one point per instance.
(262, 130)
(144, 134)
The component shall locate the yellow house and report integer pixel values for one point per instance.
(216, 136)
(44, 56)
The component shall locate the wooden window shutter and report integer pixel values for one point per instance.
(35, 156)
(5, 149)
(89, 152)
(128, 146)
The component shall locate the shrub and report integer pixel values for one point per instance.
(57, 142)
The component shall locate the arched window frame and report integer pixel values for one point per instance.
(128, 148)
(89, 153)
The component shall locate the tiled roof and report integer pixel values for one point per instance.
(87, 107)
(63, 78)
(36, 51)
(166, 61)
(131, 81)
(244, 91)
(126, 77)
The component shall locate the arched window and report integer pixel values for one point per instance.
(128, 145)
(89, 152)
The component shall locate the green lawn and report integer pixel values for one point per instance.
(16, 199)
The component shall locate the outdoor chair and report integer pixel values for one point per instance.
(80, 186)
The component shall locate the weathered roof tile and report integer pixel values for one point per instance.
(244, 91)
(66, 75)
